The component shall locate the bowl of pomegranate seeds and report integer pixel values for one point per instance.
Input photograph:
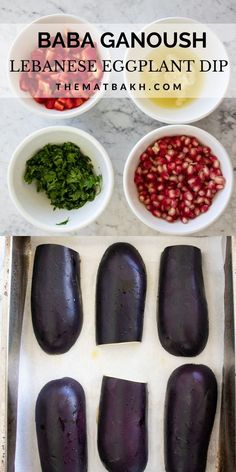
(178, 179)
(56, 66)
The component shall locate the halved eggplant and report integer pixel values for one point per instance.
(122, 425)
(120, 295)
(56, 301)
(190, 407)
(182, 308)
(61, 427)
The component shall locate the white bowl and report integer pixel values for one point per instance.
(23, 46)
(35, 206)
(201, 106)
(178, 228)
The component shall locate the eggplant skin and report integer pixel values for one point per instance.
(122, 425)
(190, 407)
(120, 295)
(61, 426)
(56, 300)
(182, 316)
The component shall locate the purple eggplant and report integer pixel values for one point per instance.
(61, 427)
(122, 425)
(190, 407)
(182, 309)
(120, 295)
(56, 300)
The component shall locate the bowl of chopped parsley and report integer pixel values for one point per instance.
(60, 179)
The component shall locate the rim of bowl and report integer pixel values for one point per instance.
(21, 209)
(39, 110)
(176, 128)
(157, 116)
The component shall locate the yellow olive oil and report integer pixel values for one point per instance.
(178, 81)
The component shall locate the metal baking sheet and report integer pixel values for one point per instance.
(23, 249)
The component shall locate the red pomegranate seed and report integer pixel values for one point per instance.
(220, 180)
(140, 188)
(154, 197)
(190, 169)
(171, 152)
(171, 166)
(198, 157)
(173, 193)
(151, 190)
(156, 149)
(172, 212)
(173, 178)
(147, 201)
(187, 203)
(147, 164)
(196, 188)
(188, 196)
(160, 187)
(150, 151)
(143, 157)
(156, 204)
(174, 204)
(151, 176)
(216, 163)
(206, 150)
(195, 142)
(193, 152)
(199, 200)
(165, 175)
(187, 141)
(156, 213)
(201, 193)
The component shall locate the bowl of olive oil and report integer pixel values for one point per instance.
(182, 76)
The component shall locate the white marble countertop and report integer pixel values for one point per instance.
(118, 124)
